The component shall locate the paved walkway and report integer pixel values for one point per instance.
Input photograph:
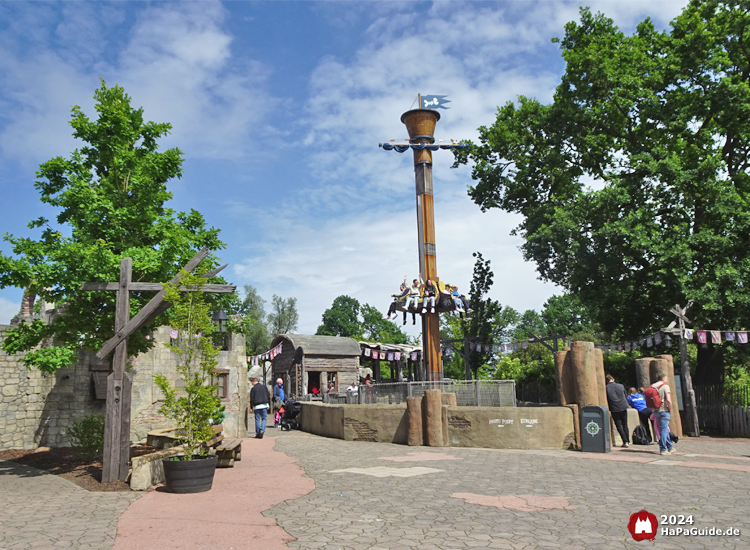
(39, 510)
(226, 517)
(510, 499)
(295, 490)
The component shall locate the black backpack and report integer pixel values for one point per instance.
(641, 435)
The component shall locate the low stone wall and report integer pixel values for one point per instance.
(383, 423)
(492, 427)
(148, 470)
(511, 427)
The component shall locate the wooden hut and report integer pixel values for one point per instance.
(308, 362)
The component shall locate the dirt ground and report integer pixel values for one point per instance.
(63, 462)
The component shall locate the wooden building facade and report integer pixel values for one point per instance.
(308, 362)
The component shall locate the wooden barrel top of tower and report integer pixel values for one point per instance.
(420, 123)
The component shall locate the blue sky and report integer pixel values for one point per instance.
(279, 108)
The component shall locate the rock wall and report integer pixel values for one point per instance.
(492, 427)
(36, 409)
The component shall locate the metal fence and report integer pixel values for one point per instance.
(536, 393)
(469, 393)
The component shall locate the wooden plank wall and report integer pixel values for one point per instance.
(714, 415)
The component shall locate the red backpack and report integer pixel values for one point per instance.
(653, 399)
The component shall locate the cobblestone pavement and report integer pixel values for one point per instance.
(594, 496)
(39, 510)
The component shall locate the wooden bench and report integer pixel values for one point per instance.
(228, 452)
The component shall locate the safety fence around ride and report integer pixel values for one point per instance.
(469, 393)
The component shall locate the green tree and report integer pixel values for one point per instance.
(488, 323)
(564, 315)
(659, 120)
(346, 317)
(377, 329)
(252, 320)
(530, 322)
(341, 319)
(283, 318)
(193, 401)
(111, 196)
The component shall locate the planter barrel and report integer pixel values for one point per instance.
(190, 476)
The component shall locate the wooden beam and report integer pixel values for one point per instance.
(122, 315)
(156, 287)
(141, 317)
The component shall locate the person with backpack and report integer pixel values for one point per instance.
(618, 408)
(659, 399)
(638, 402)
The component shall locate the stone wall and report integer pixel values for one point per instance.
(36, 409)
(493, 427)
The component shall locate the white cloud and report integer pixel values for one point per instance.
(353, 231)
(8, 310)
(178, 64)
(366, 256)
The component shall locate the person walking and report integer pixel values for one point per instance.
(659, 399)
(278, 400)
(259, 401)
(618, 408)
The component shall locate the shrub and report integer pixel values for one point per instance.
(193, 402)
(87, 436)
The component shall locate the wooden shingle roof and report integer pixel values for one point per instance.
(321, 345)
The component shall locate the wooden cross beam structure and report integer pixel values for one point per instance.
(692, 428)
(119, 382)
(534, 339)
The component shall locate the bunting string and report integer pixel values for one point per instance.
(271, 354)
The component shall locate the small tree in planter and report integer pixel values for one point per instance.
(195, 403)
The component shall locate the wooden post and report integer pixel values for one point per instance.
(414, 413)
(566, 392)
(117, 420)
(432, 417)
(420, 123)
(582, 361)
(692, 427)
(642, 372)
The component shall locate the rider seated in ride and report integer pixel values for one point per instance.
(414, 291)
(429, 290)
(457, 300)
(402, 295)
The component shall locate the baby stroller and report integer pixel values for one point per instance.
(289, 417)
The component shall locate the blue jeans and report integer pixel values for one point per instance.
(662, 417)
(260, 420)
(414, 299)
(431, 299)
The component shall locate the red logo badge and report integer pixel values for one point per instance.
(643, 525)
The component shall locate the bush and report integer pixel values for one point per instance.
(87, 436)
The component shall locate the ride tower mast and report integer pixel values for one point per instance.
(420, 124)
